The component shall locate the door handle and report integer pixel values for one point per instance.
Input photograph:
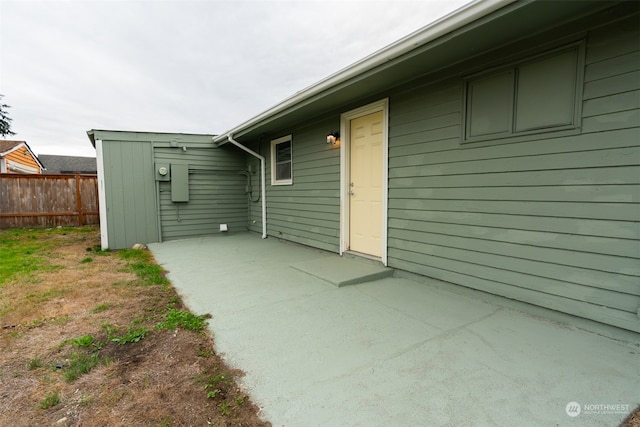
(351, 192)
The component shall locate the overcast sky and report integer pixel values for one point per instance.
(178, 66)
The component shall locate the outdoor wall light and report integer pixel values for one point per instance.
(333, 138)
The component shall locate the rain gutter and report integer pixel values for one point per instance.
(263, 175)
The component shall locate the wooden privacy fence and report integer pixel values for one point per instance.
(48, 200)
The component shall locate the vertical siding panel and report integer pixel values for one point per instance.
(130, 192)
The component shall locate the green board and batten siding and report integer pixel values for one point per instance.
(550, 219)
(130, 192)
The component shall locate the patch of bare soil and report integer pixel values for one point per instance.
(633, 420)
(53, 319)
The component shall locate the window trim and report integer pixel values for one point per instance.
(274, 143)
(513, 66)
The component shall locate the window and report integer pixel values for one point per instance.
(281, 163)
(536, 96)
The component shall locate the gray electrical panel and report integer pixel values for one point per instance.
(179, 183)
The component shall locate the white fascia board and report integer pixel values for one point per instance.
(451, 22)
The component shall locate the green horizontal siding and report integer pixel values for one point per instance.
(600, 211)
(597, 268)
(612, 104)
(216, 191)
(522, 273)
(612, 85)
(507, 233)
(430, 267)
(613, 41)
(549, 219)
(568, 193)
(589, 176)
(616, 230)
(307, 212)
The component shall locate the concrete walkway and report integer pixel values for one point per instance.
(391, 352)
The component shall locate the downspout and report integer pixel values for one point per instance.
(263, 185)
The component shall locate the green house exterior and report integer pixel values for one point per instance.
(200, 190)
(509, 161)
(511, 158)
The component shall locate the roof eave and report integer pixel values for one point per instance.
(15, 147)
(92, 139)
(457, 19)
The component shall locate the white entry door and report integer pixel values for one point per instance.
(366, 184)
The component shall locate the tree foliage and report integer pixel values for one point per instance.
(5, 120)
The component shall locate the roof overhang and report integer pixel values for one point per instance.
(14, 147)
(476, 28)
(142, 136)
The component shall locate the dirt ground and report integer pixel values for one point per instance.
(70, 310)
(633, 420)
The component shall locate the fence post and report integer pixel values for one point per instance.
(79, 200)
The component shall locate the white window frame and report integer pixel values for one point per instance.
(274, 143)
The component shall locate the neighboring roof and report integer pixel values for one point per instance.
(68, 164)
(9, 146)
(472, 30)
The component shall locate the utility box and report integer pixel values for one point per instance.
(179, 183)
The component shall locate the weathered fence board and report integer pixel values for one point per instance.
(48, 200)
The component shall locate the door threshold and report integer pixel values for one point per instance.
(367, 257)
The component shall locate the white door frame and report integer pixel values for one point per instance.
(345, 147)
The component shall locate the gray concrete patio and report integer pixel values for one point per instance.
(391, 352)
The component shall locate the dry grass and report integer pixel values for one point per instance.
(66, 305)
